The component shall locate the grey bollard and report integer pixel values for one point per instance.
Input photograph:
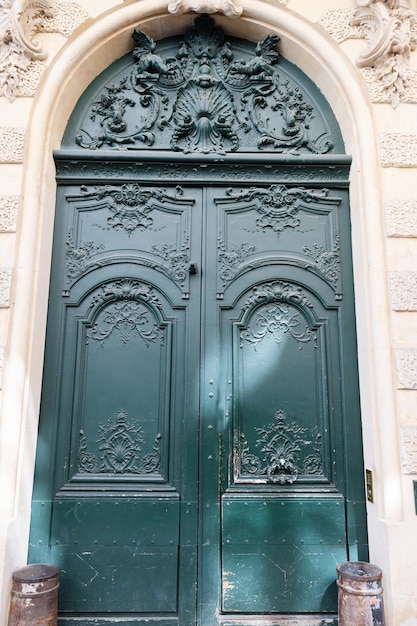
(34, 596)
(360, 594)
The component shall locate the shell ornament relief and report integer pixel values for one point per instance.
(203, 99)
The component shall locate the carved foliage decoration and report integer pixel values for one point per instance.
(130, 204)
(120, 446)
(203, 99)
(20, 21)
(389, 27)
(277, 320)
(285, 452)
(127, 312)
(272, 316)
(279, 205)
(280, 208)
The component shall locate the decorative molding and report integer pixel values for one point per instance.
(12, 140)
(401, 218)
(281, 446)
(130, 319)
(398, 150)
(1, 366)
(77, 258)
(5, 284)
(406, 361)
(20, 22)
(276, 320)
(130, 205)
(8, 213)
(409, 450)
(403, 287)
(389, 28)
(278, 205)
(277, 291)
(326, 262)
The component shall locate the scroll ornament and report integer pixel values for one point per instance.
(389, 28)
(20, 21)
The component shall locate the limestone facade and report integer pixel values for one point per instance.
(362, 54)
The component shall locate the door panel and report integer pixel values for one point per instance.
(116, 403)
(197, 357)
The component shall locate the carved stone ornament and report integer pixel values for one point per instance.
(282, 446)
(227, 7)
(201, 99)
(388, 27)
(20, 21)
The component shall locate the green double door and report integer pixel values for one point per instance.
(199, 454)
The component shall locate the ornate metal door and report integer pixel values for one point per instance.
(199, 453)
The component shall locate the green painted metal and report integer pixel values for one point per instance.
(199, 453)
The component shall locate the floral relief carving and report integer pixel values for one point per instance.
(276, 320)
(403, 287)
(76, 258)
(278, 205)
(203, 99)
(406, 368)
(130, 204)
(327, 262)
(120, 446)
(389, 28)
(176, 262)
(401, 218)
(285, 453)
(231, 260)
(277, 291)
(8, 213)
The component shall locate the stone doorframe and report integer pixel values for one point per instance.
(82, 58)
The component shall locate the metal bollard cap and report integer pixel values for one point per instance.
(359, 570)
(36, 572)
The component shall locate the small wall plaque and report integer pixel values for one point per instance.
(369, 485)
